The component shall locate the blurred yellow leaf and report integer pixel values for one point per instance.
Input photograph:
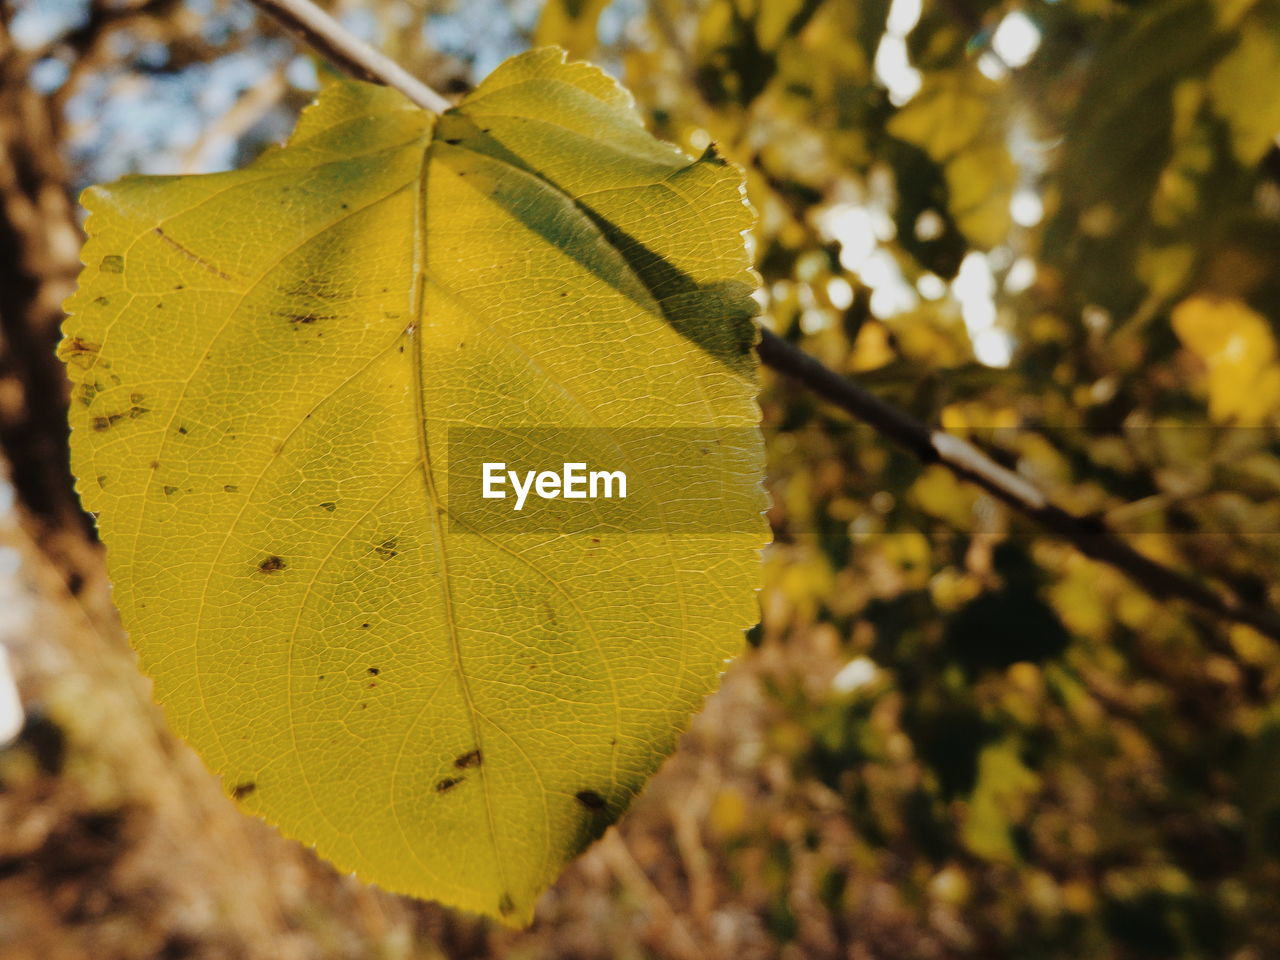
(571, 24)
(999, 802)
(1243, 90)
(1239, 351)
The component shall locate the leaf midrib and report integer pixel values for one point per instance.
(435, 505)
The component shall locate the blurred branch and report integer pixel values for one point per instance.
(248, 110)
(1089, 536)
(336, 44)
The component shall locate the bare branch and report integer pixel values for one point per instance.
(336, 44)
(1089, 536)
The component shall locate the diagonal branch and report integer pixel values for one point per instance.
(327, 37)
(1089, 536)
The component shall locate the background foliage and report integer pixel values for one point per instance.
(1051, 227)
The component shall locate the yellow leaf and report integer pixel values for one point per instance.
(955, 119)
(1000, 801)
(571, 24)
(1239, 352)
(272, 369)
(1238, 87)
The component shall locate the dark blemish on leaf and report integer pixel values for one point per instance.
(102, 301)
(712, 155)
(137, 397)
(402, 348)
(107, 422)
(595, 539)
(329, 505)
(364, 706)
(242, 790)
(506, 906)
(113, 263)
(230, 488)
(472, 758)
(102, 480)
(88, 391)
(170, 491)
(590, 799)
(372, 684)
(374, 671)
(271, 565)
(190, 255)
(448, 783)
(564, 293)
(181, 286)
(135, 412)
(80, 351)
(452, 141)
(364, 626)
(345, 206)
(387, 550)
(155, 464)
(183, 431)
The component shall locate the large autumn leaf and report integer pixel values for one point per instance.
(271, 369)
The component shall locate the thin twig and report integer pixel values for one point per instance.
(1089, 536)
(336, 44)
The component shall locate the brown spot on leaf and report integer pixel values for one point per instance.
(189, 254)
(329, 505)
(374, 671)
(272, 564)
(308, 317)
(472, 758)
(448, 783)
(242, 790)
(78, 351)
(506, 906)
